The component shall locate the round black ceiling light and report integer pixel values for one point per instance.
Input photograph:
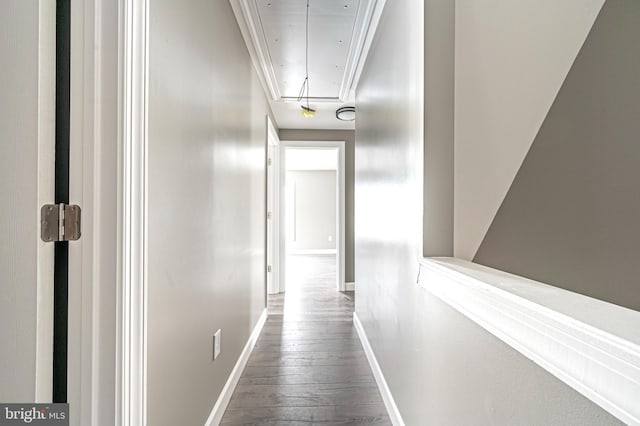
(346, 113)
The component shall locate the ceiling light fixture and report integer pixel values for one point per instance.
(307, 111)
(347, 113)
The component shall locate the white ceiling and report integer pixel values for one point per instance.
(340, 33)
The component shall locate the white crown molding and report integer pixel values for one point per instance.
(591, 345)
(367, 21)
(248, 19)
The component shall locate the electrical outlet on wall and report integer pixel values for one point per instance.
(216, 344)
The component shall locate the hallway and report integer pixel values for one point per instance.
(308, 365)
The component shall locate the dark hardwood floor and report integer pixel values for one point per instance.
(308, 366)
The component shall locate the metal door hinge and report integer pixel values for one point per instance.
(269, 161)
(268, 215)
(59, 222)
(268, 268)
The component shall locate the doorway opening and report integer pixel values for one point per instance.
(305, 215)
(311, 217)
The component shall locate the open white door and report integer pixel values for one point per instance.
(96, 388)
(27, 83)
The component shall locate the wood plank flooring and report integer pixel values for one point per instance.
(308, 366)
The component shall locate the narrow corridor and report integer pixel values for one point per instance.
(308, 366)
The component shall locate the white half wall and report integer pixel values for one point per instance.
(511, 58)
(441, 368)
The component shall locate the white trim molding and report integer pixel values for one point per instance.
(246, 12)
(366, 23)
(132, 207)
(383, 387)
(225, 395)
(94, 139)
(591, 345)
(341, 232)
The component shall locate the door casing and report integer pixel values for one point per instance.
(340, 207)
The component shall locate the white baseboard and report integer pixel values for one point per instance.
(225, 396)
(387, 397)
(350, 286)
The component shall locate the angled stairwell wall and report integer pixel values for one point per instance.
(571, 215)
(511, 58)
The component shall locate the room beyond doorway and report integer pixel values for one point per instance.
(311, 213)
(308, 210)
(310, 200)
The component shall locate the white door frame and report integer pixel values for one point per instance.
(95, 172)
(340, 206)
(131, 392)
(108, 175)
(273, 206)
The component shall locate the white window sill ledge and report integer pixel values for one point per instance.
(591, 345)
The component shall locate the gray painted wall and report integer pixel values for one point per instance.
(571, 215)
(511, 58)
(441, 367)
(315, 209)
(207, 181)
(439, 48)
(348, 136)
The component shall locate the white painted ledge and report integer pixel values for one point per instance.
(591, 345)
